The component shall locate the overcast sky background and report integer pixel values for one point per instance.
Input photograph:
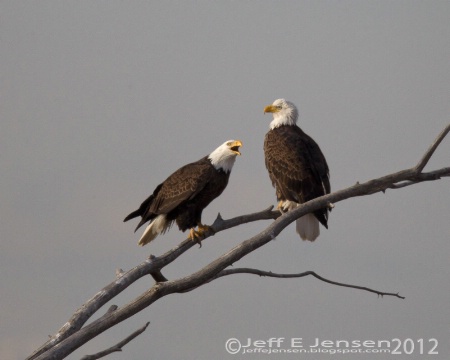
(101, 101)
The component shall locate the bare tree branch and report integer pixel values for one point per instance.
(427, 156)
(73, 335)
(430, 176)
(299, 275)
(151, 265)
(118, 346)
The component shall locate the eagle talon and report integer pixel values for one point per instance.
(280, 207)
(200, 234)
(195, 236)
(205, 229)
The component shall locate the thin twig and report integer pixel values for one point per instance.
(429, 153)
(299, 275)
(117, 347)
(429, 176)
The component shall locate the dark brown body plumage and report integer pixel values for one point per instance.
(183, 195)
(297, 168)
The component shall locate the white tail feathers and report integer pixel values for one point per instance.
(156, 227)
(307, 226)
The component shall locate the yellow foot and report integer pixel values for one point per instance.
(199, 235)
(280, 205)
(205, 229)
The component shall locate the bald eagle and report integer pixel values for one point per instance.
(297, 168)
(184, 194)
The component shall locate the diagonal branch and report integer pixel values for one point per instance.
(427, 156)
(299, 275)
(429, 176)
(71, 336)
(150, 266)
(118, 346)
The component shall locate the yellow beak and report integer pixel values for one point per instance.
(270, 109)
(234, 146)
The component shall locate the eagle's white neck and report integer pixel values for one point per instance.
(288, 115)
(283, 119)
(222, 158)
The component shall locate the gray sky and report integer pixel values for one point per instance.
(101, 101)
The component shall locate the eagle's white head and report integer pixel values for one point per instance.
(284, 113)
(225, 155)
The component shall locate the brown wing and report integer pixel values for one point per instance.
(296, 165)
(182, 185)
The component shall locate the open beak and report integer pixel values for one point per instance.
(234, 146)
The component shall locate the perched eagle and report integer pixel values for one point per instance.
(297, 168)
(184, 194)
